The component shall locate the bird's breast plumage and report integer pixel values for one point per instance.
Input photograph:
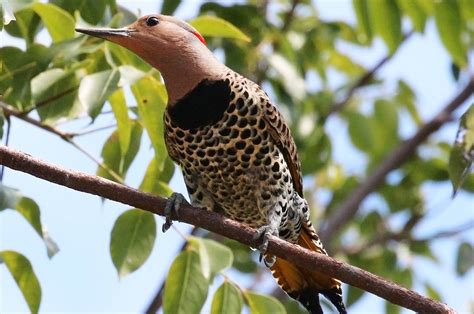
(229, 159)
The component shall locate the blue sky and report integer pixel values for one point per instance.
(81, 277)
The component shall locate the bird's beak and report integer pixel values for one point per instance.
(107, 33)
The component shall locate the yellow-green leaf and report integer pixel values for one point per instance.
(449, 22)
(186, 287)
(214, 256)
(132, 240)
(151, 98)
(55, 90)
(96, 88)
(363, 21)
(263, 304)
(462, 153)
(386, 20)
(22, 271)
(155, 180)
(124, 127)
(217, 27)
(415, 11)
(60, 24)
(113, 157)
(227, 300)
(465, 260)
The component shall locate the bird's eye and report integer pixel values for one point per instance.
(152, 21)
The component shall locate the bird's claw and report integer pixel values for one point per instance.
(172, 205)
(264, 234)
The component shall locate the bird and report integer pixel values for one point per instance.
(233, 146)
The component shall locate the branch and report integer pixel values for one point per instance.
(363, 80)
(217, 223)
(67, 137)
(344, 213)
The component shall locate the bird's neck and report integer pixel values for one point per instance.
(182, 75)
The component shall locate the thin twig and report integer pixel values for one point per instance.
(363, 80)
(215, 222)
(88, 132)
(67, 137)
(49, 100)
(346, 211)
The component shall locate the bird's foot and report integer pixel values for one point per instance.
(264, 234)
(172, 205)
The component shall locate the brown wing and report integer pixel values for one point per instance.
(280, 133)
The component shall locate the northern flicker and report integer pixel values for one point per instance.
(233, 146)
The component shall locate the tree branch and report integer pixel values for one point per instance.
(67, 137)
(217, 223)
(363, 80)
(344, 213)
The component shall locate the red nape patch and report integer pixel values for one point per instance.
(200, 38)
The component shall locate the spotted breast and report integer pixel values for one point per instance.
(220, 137)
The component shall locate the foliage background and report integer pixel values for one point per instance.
(324, 48)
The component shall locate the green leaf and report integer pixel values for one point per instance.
(132, 240)
(59, 23)
(96, 88)
(406, 98)
(361, 131)
(294, 307)
(91, 11)
(55, 92)
(217, 27)
(363, 21)
(416, 13)
(465, 260)
(227, 300)
(151, 98)
(353, 295)
(449, 22)
(22, 271)
(263, 304)
(156, 181)
(9, 197)
(243, 260)
(214, 256)
(467, 10)
(386, 124)
(29, 209)
(432, 293)
(27, 25)
(116, 160)
(186, 287)
(124, 126)
(462, 153)
(345, 64)
(391, 308)
(386, 20)
(459, 168)
(169, 6)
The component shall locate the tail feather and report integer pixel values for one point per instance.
(305, 285)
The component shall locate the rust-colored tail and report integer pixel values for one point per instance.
(305, 285)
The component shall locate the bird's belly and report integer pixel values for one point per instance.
(239, 169)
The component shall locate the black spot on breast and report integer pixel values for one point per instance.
(204, 105)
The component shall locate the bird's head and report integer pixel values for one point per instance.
(170, 45)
